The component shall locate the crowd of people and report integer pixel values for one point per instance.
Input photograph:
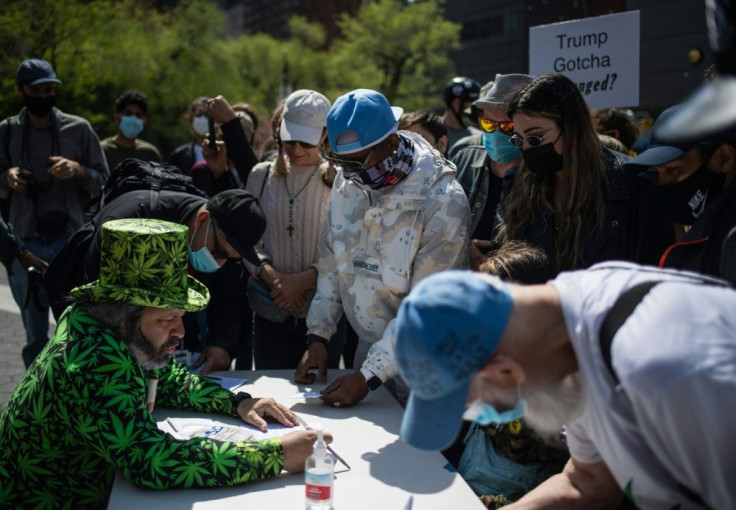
(510, 269)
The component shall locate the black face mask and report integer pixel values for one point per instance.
(684, 201)
(39, 106)
(543, 160)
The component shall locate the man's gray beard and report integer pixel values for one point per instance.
(144, 351)
(550, 406)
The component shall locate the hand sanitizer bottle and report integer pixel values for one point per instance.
(319, 472)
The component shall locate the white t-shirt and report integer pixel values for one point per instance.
(673, 419)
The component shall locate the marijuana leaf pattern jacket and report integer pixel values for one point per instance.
(79, 415)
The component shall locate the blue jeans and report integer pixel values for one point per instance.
(35, 319)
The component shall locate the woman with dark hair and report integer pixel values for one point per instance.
(570, 196)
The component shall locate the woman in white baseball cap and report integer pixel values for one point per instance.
(294, 191)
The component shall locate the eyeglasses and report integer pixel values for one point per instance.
(533, 140)
(303, 145)
(347, 164)
(490, 126)
(217, 252)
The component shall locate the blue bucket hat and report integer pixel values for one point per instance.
(361, 119)
(447, 329)
(35, 71)
(658, 152)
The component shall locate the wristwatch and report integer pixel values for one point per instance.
(372, 380)
(316, 338)
(237, 399)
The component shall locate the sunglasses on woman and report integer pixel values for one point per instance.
(303, 145)
(490, 126)
(532, 140)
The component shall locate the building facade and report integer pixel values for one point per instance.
(495, 39)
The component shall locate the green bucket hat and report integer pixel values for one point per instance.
(144, 262)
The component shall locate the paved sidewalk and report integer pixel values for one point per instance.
(12, 340)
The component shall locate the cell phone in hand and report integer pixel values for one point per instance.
(213, 137)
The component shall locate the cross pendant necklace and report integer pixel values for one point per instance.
(290, 228)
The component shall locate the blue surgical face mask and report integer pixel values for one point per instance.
(484, 413)
(131, 126)
(200, 125)
(202, 260)
(499, 147)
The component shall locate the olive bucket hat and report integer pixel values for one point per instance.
(144, 262)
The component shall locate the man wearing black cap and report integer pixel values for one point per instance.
(52, 163)
(695, 187)
(221, 231)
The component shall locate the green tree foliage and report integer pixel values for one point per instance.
(177, 51)
(398, 48)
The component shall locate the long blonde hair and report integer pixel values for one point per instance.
(581, 207)
(281, 165)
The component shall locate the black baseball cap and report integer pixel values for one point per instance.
(240, 219)
(35, 71)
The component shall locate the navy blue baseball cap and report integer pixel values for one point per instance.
(447, 329)
(35, 71)
(659, 152)
(361, 119)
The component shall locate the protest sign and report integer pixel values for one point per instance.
(600, 54)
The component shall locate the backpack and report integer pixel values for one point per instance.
(133, 174)
(68, 268)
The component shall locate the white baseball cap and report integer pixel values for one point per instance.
(305, 117)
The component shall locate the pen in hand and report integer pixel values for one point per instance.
(329, 448)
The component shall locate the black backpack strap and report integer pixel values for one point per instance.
(155, 188)
(617, 315)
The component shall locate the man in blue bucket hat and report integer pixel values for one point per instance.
(396, 215)
(638, 364)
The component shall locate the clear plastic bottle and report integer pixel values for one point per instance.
(319, 474)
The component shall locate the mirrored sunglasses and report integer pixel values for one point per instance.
(490, 126)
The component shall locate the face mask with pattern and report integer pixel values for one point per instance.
(389, 171)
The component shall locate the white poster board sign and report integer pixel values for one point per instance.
(600, 54)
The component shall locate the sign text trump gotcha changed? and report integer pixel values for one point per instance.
(600, 54)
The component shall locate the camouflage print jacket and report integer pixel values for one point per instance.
(377, 245)
(79, 415)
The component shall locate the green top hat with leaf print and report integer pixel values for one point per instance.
(144, 262)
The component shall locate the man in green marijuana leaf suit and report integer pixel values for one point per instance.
(79, 413)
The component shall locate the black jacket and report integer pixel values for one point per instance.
(709, 246)
(183, 157)
(633, 228)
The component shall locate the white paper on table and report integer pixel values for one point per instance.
(187, 428)
(307, 394)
